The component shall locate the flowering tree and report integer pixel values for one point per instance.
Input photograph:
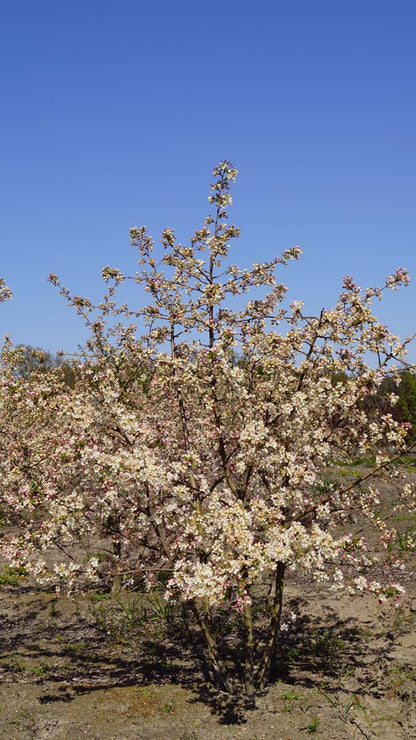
(210, 449)
(5, 292)
(30, 425)
(54, 488)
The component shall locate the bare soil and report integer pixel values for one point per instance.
(110, 670)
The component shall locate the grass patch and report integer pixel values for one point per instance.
(12, 576)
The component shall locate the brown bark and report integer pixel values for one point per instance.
(263, 674)
(215, 663)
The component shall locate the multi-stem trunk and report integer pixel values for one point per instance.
(248, 650)
(114, 526)
(216, 665)
(262, 676)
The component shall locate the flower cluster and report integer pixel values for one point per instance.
(5, 292)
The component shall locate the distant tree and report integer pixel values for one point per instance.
(396, 395)
(28, 359)
(407, 400)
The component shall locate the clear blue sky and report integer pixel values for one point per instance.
(114, 114)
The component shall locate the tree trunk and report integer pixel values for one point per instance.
(263, 674)
(219, 672)
(248, 651)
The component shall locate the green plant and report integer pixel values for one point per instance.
(355, 706)
(144, 691)
(12, 576)
(407, 540)
(403, 619)
(332, 702)
(326, 649)
(313, 725)
(132, 610)
(289, 697)
(365, 461)
(103, 618)
(118, 614)
(162, 609)
(76, 647)
(96, 597)
(40, 670)
(399, 676)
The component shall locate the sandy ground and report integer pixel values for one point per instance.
(95, 669)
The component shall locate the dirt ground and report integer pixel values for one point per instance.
(100, 667)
